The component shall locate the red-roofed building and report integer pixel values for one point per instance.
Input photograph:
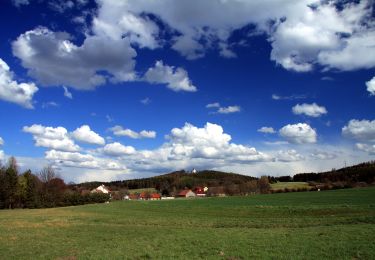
(200, 191)
(155, 196)
(144, 196)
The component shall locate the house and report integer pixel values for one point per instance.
(155, 196)
(144, 196)
(200, 191)
(101, 189)
(186, 194)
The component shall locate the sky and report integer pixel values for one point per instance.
(120, 89)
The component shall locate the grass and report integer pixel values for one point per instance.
(309, 225)
(289, 185)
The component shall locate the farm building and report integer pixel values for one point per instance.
(155, 196)
(200, 191)
(101, 189)
(186, 194)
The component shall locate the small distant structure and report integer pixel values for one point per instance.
(201, 191)
(187, 194)
(194, 171)
(101, 189)
(155, 196)
(143, 196)
(167, 198)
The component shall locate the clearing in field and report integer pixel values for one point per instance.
(310, 225)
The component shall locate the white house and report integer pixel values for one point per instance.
(101, 189)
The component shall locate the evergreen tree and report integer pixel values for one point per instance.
(2, 187)
(31, 193)
(11, 184)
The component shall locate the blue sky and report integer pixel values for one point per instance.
(109, 89)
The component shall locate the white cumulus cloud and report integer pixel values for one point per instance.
(289, 156)
(117, 149)
(79, 160)
(224, 110)
(213, 105)
(362, 130)
(12, 91)
(86, 135)
(54, 60)
(371, 86)
(229, 110)
(67, 93)
(303, 33)
(300, 133)
(312, 110)
(369, 148)
(120, 131)
(51, 137)
(323, 155)
(209, 142)
(177, 79)
(266, 130)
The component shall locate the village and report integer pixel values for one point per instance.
(197, 192)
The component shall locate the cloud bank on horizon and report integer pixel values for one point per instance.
(112, 56)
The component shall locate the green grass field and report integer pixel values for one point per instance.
(305, 225)
(289, 185)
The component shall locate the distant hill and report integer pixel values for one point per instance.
(177, 180)
(363, 172)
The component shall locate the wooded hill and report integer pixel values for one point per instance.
(176, 180)
(361, 173)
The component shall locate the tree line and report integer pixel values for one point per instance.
(363, 172)
(172, 183)
(42, 190)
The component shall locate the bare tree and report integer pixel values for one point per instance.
(47, 174)
(12, 164)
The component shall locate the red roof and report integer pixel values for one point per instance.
(199, 190)
(155, 196)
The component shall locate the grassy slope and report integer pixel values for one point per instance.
(310, 225)
(289, 185)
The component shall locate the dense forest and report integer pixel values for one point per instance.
(43, 190)
(170, 183)
(363, 172)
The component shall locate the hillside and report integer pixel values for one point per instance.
(175, 180)
(363, 172)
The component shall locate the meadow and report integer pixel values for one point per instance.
(336, 224)
(289, 185)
